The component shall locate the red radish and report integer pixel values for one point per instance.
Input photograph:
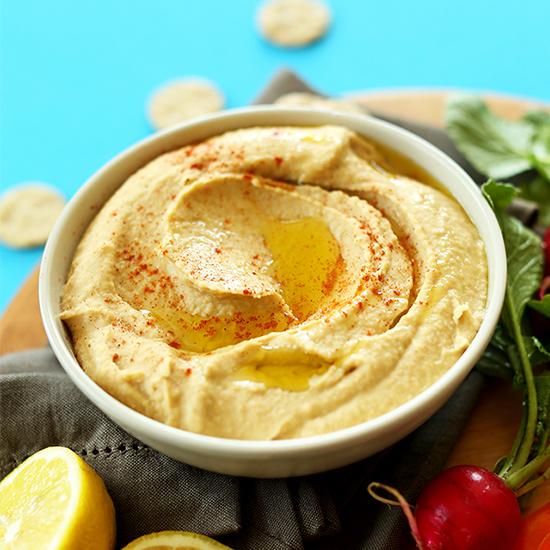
(468, 507)
(463, 508)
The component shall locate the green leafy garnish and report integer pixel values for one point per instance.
(501, 148)
(542, 306)
(496, 147)
(514, 351)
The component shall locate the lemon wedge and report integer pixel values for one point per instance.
(55, 501)
(175, 540)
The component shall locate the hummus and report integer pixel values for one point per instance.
(274, 283)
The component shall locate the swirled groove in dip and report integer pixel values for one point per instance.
(274, 282)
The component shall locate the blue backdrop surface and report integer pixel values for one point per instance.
(76, 76)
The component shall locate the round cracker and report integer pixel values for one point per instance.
(293, 22)
(28, 213)
(182, 99)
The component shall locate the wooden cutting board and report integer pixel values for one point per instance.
(492, 426)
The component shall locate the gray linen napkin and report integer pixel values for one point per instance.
(39, 407)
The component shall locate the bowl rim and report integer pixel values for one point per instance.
(154, 145)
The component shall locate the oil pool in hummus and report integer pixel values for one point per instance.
(274, 283)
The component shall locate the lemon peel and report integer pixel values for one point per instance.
(175, 540)
(55, 501)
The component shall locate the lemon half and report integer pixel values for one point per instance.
(55, 501)
(175, 540)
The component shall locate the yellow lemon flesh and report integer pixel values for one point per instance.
(175, 540)
(55, 501)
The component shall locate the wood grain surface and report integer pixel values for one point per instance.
(493, 424)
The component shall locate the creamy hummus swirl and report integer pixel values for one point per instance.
(274, 283)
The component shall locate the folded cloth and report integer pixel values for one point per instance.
(40, 407)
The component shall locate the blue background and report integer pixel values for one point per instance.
(76, 76)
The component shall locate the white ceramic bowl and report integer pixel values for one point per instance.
(267, 458)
